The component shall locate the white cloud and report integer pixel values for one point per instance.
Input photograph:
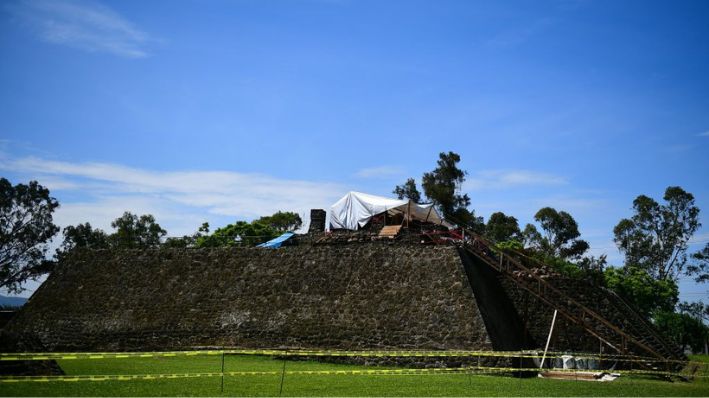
(55, 183)
(179, 200)
(501, 179)
(704, 134)
(699, 239)
(379, 172)
(86, 25)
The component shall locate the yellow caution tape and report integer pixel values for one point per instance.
(355, 372)
(324, 353)
(271, 352)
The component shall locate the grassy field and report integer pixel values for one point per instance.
(327, 385)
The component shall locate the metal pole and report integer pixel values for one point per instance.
(551, 330)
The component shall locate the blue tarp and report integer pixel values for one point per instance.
(277, 242)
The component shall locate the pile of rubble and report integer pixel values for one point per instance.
(543, 272)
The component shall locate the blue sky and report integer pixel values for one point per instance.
(221, 110)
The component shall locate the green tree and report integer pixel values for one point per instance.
(82, 236)
(502, 228)
(25, 229)
(696, 309)
(408, 190)
(442, 185)
(133, 231)
(647, 294)
(468, 218)
(699, 269)
(531, 236)
(684, 329)
(240, 233)
(699, 311)
(559, 237)
(187, 240)
(591, 263)
(655, 238)
(282, 221)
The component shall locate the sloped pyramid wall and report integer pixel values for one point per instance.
(521, 320)
(537, 317)
(356, 296)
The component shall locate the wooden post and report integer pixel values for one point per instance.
(222, 386)
(551, 330)
(600, 354)
(283, 373)
(408, 214)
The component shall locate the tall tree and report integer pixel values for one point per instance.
(408, 190)
(502, 228)
(699, 269)
(655, 238)
(25, 229)
(442, 186)
(531, 236)
(134, 231)
(282, 221)
(82, 236)
(559, 237)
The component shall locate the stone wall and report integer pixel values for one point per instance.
(5, 316)
(537, 316)
(317, 220)
(499, 312)
(351, 296)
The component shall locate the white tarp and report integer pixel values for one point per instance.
(355, 210)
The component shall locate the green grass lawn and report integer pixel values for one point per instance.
(322, 385)
(699, 358)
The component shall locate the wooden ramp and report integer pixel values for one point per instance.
(389, 231)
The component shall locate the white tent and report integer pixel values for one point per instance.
(355, 210)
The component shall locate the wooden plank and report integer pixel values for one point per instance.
(585, 376)
(390, 231)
